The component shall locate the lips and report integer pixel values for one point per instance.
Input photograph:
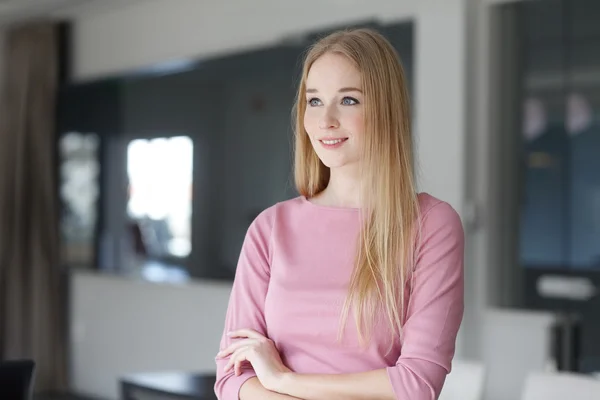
(332, 141)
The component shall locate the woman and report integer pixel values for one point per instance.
(353, 290)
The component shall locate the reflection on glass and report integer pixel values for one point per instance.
(584, 185)
(579, 114)
(542, 216)
(79, 191)
(160, 194)
(560, 214)
(535, 120)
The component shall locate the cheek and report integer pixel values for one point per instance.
(311, 122)
(355, 123)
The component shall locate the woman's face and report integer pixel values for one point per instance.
(334, 117)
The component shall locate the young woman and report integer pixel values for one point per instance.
(354, 289)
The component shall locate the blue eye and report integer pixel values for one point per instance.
(349, 101)
(314, 102)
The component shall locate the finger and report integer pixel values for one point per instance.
(243, 356)
(247, 333)
(231, 363)
(234, 346)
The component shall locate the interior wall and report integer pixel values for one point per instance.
(121, 326)
(130, 37)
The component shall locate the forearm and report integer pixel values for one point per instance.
(372, 385)
(252, 389)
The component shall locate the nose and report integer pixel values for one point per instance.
(329, 120)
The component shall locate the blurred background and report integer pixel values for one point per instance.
(139, 139)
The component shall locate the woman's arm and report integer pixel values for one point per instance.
(247, 300)
(272, 375)
(372, 385)
(253, 390)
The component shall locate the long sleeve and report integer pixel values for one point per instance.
(247, 299)
(435, 308)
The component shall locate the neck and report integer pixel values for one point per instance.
(343, 189)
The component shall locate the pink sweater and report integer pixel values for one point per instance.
(291, 281)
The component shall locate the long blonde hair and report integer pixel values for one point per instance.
(385, 250)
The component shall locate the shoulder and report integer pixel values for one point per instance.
(263, 232)
(266, 219)
(439, 216)
(440, 243)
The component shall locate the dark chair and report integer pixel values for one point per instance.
(16, 379)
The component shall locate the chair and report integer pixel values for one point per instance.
(16, 379)
(560, 386)
(465, 381)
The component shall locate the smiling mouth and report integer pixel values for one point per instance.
(331, 142)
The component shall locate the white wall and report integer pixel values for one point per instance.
(441, 98)
(119, 326)
(156, 31)
(132, 37)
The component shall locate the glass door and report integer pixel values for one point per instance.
(559, 235)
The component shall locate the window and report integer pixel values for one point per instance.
(79, 173)
(560, 213)
(159, 203)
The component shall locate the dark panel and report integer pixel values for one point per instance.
(91, 113)
(91, 107)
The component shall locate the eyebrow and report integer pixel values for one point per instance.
(342, 90)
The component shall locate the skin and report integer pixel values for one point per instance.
(334, 111)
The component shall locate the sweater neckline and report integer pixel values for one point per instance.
(319, 206)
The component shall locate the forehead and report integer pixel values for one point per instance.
(333, 70)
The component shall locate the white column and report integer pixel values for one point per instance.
(441, 126)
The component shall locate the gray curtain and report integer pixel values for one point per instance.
(32, 292)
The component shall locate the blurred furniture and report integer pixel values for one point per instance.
(168, 386)
(560, 386)
(16, 379)
(515, 343)
(62, 396)
(465, 381)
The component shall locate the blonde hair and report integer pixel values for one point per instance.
(389, 202)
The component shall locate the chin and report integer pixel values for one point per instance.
(335, 164)
(338, 160)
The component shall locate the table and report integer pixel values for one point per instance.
(168, 385)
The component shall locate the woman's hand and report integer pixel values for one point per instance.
(259, 351)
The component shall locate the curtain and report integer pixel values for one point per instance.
(32, 290)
